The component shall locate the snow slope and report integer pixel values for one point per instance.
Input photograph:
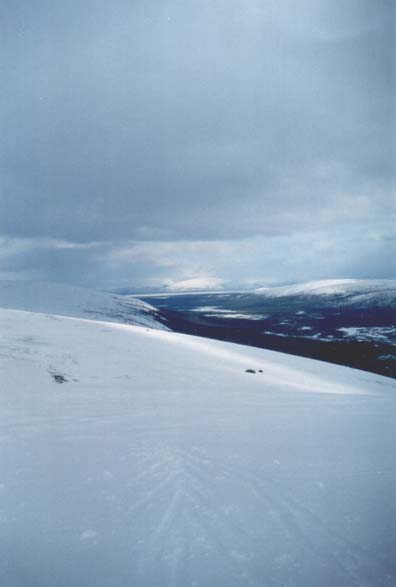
(138, 457)
(356, 289)
(67, 300)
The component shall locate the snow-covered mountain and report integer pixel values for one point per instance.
(352, 290)
(134, 456)
(65, 300)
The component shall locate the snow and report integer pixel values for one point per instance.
(167, 295)
(239, 316)
(209, 309)
(361, 289)
(378, 333)
(283, 335)
(66, 300)
(216, 312)
(160, 462)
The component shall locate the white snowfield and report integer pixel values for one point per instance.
(358, 289)
(215, 312)
(79, 302)
(139, 457)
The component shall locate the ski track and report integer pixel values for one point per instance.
(187, 486)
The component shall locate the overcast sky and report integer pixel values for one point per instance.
(213, 143)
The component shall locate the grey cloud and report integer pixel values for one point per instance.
(176, 119)
(49, 260)
(244, 122)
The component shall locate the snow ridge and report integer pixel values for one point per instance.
(78, 302)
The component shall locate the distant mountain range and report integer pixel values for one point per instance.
(351, 291)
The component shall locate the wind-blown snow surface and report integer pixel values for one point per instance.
(160, 462)
(67, 300)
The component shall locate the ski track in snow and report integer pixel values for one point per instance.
(160, 462)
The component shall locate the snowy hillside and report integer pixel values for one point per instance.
(66, 300)
(356, 290)
(139, 457)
